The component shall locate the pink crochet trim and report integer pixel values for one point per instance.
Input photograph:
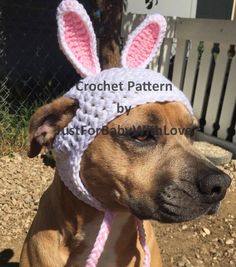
(77, 40)
(142, 239)
(137, 53)
(102, 238)
(144, 42)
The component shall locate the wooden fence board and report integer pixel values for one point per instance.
(202, 78)
(191, 69)
(229, 102)
(165, 57)
(216, 88)
(179, 63)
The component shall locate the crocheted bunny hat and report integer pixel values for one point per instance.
(98, 107)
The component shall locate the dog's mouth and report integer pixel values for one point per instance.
(182, 214)
(213, 209)
(172, 213)
(183, 199)
(174, 206)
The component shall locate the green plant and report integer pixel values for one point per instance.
(13, 129)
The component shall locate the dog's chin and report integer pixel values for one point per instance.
(172, 217)
(213, 209)
(165, 215)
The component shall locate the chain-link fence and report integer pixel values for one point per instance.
(32, 68)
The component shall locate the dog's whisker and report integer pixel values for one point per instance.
(173, 205)
(187, 181)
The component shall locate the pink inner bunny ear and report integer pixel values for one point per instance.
(77, 38)
(144, 42)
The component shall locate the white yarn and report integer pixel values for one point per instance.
(97, 109)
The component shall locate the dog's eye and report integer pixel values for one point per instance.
(141, 138)
(144, 136)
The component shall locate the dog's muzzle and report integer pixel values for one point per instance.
(185, 200)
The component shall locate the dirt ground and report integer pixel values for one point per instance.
(207, 241)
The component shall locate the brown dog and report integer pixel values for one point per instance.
(151, 177)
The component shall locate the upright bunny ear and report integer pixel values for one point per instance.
(144, 42)
(77, 38)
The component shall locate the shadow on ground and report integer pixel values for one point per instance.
(5, 257)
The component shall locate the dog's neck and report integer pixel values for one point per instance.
(80, 224)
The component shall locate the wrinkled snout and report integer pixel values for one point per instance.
(195, 190)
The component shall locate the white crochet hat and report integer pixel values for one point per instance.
(98, 107)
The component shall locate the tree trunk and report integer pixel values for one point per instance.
(108, 31)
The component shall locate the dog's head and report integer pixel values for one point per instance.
(155, 176)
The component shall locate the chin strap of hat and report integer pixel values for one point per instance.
(103, 235)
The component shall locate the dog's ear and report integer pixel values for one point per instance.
(144, 42)
(196, 123)
(47, 121)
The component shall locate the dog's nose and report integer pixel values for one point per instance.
(214, 186)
